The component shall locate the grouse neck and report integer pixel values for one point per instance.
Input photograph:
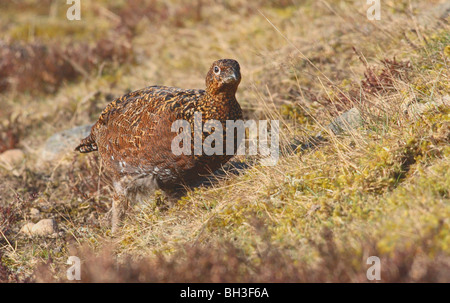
(223, 97)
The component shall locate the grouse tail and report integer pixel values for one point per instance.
(87, 145)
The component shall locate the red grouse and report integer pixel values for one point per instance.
(134, 137)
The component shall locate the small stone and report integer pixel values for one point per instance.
(11, 158)
(44, 227)
(27, 229)
(349, 120)
(34, 212)
(416, 109)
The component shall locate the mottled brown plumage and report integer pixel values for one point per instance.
(133, 134)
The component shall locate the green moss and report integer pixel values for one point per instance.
(296, 113)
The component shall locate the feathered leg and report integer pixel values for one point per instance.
(119, 209)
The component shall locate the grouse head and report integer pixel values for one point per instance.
(224, 76)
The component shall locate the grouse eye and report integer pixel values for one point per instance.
(216, 70)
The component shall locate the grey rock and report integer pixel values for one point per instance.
(64, 142)
(349, 120)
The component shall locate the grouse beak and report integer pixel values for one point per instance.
(230, 78)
